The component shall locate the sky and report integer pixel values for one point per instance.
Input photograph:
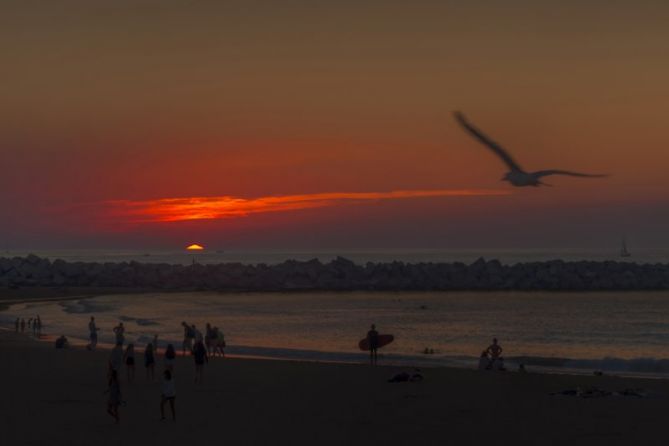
(328, 125)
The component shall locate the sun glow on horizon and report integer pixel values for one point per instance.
(195, 247)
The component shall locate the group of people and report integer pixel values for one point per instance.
(491, 358)
(34, 324)
(199, 346)
(213, 340)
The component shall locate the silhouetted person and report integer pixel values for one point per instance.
(495, 350)
(170, 355)
(23, 325)
(149, 362)
(155, 344)
(114, 390)
(168, 393)
(189, 334)
(219, 342)
(116, 358)
(38, 326)
(61, 342)
(209, 338)
(119, 331)
(484, 361)
(92, 334)
(17, 324)
(373, 341)
(200, 357)
(129, 359)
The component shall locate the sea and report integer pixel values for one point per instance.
(622, 333)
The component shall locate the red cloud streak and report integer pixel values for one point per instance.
(209, 208)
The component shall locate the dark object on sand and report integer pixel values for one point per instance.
(598, 373)
(406, 377)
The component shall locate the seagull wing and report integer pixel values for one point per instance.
(476, 133)
(543, 173)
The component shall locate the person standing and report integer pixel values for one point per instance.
(17, 323)
(189, 334)
(119, 331)
(170, 355)
(495, 350)
(23, 325)
(149, 362)
(200, 356)
(38, 326)
(373, 341)
(168, 394)
(93, 334)
(129, 359)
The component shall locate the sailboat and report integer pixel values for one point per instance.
(623, 249)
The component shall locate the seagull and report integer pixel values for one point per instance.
(516, 176)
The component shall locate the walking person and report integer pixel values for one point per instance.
(170, 355)
(129, 360)
(149, 362)
(200, 357)
(219, 342)
(119, 331)
(189, 334)
(168, 394)
(373, 340)
(209, 338)
(38, 326)
(92, 334)
(114, 400)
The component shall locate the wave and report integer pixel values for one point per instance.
(607, 364)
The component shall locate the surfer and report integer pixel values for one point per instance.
(373, 340)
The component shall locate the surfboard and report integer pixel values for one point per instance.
(384, 339)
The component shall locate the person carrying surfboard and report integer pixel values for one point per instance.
(373, 340)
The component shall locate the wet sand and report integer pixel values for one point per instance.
(54, 396)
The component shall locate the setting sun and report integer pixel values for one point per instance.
(195, 247)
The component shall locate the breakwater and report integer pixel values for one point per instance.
(338, 274)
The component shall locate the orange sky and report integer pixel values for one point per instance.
(144, 101)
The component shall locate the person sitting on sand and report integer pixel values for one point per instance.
(498, 364)
(92, 334)
(495, 350)
(114, 390)
(168, 393)
(149, 362)
(189, 334)
(484, 361)
(200, 356)
(129, 359)
(373, 340)
(116, 358)
(61, 342)
(170, 354)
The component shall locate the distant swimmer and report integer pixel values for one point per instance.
(373, 340)
(516, 176)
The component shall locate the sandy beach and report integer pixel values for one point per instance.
(56, 397)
